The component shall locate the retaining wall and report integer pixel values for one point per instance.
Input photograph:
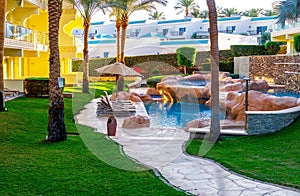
(260, 122)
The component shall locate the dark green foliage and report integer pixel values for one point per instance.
(151, 82)
(272, 157)
(155, 72)
(166, 63)
(297, 42)
(265, 37)
(247, 50)
(37, 86)
(226, 66)
(186, 56)
(272, 47)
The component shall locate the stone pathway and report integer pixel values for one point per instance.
(162, 149)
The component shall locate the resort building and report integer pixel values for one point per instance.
(146, 37)
(26, 45)
(287, 33)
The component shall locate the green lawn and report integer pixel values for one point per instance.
(31, 166)
(271, 157)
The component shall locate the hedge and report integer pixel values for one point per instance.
(165, 63)
(247, 50)
(297, 42)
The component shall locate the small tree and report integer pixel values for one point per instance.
(272, 47)
(186, 57)
(265, 37)
(297, 42)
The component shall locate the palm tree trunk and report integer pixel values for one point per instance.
(85, 85)
(118, 28)
(214, 134)
(56, 125)
(123, 38)
(2, 26)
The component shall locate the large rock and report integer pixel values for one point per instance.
(152, 91)
(238, 87)
(258, 85)
(136, 121)
(257, 101)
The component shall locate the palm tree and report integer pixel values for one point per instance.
(87, 8)
(185, 6)
(157, 15)
(128, 7)
(288, 11)
(117, 13)
(229, 11)
(254, 12)
(2, 26)
(56, 124)
(214, 56)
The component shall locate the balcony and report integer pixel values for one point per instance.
(18, 37)
(39, 3)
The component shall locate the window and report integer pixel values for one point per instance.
(182, 30)
(105, 54)
(230, 29)
(261, 29)
(165, 31)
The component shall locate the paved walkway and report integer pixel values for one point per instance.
(162, 149)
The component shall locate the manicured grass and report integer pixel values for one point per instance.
(31, 166)
(271, 157)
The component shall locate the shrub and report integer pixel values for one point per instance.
(247, 50)
(186, 57)
(297, 42)
(272, 47)
(151, 82)
(155, 72)
(226, 66)
(265, 37)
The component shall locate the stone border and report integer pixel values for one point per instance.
(261, 122)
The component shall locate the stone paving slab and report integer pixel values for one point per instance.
(162, 149)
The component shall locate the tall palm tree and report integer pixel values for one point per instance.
(156, 15)
(56, 124)
(288, 11)
(185, 6)
(87, 8)
(117, 13)
(2, 26)
(214, 56)
(128, 7)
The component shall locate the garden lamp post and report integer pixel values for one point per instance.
(246, 101)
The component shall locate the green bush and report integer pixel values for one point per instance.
(247, 50)
(297, 42)
(166, 63)
(155, 72)
(151, 82)
(272, 47)
(186, 57)
(226, 66)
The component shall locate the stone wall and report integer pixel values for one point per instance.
(293, 81)
(270, 121)
(272, 68)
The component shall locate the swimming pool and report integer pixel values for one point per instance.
(282, 93)
(176, 114)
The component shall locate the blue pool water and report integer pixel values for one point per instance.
(176, 114)
(193, 82)
(282, 93)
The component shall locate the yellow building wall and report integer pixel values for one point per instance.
(36, 62)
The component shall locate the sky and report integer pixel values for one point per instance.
(170, 12)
